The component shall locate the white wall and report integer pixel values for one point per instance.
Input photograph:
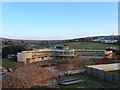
(114, 66)
(21, 57)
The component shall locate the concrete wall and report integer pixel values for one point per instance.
(108, 76)
(100, 73)
(20, 57)
(106, 67)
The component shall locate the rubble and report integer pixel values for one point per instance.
(30, 75)
(10, 70)
(27, 76)
(75, 65)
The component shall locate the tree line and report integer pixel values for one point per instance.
(13, 50)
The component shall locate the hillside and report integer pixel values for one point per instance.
(89, 45)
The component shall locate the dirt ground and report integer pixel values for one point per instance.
(27, 76)
(38, 74)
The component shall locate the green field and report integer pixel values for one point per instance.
(6, 63)
(89, 45)
(81, 45)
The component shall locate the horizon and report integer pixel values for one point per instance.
(60, 39)
(58, 21)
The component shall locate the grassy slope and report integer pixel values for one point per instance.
(6, 63)
(89, 45)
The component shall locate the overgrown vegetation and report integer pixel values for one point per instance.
(6, 63)
(12, 50)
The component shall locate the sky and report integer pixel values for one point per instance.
(58, 20)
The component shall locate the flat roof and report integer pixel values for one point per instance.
(90, 50)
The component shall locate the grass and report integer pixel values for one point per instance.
(90, 82)
(89, 45)
(6, 63)
(116, 71)
(82, 45)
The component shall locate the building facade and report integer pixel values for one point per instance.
(43, 54)
(94, 54)
(59, 53)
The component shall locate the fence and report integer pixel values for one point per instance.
(101, 73)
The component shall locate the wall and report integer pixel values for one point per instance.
(96, 54)
(100, 72)
(20, 57)
(106, 67)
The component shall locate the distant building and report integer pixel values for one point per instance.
(93, 54)
(58, 52)
(34, 55)
(110, 41)
(44, 54)
(107, 39)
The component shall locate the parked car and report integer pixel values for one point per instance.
(12, 57)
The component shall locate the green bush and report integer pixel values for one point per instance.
(11, 50)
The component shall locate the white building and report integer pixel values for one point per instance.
(109, 41)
